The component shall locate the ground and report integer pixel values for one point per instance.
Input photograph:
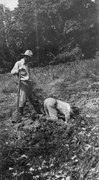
(52, 150)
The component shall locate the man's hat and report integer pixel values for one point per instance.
(28, 53)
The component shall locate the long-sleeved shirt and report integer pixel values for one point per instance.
(54, 104)
(63, 107)
(24, 70)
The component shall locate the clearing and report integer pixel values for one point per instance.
(51, 150)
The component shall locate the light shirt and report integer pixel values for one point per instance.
(24, 70)
(59, 105)
(63, 107)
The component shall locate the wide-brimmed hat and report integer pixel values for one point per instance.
(27, 53)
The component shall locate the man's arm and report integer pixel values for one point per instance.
(15, 69)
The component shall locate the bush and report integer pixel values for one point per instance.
(74, 54)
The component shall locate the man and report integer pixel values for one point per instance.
(22, 67)
(54, 106)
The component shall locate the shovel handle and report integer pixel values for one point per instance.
(18, 96)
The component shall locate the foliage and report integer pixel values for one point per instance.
(50, 150)
(48, 26)
(41, 149)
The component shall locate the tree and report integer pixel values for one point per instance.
(50, 26)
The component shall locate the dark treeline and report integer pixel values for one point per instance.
(60, 30)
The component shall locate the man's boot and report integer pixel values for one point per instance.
(17, 115)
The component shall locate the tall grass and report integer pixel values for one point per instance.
(8, 84)
(60, 81)
(54, 80)
(75, 144)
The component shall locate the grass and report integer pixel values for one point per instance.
(74, 84)
(7, 84)
(62, 81)
(58, 80)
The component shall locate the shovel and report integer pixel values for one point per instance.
(16, 116)
(18, 96)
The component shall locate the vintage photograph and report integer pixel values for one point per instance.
(49, 89)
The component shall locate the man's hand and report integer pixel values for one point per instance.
(20, 69)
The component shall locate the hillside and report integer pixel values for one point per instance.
(41, 149)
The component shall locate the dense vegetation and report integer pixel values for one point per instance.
(38, 149)
(61, 30)
(55, 30)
